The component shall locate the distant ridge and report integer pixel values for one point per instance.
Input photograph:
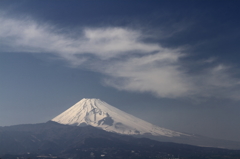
(52, 140)
(99, 114)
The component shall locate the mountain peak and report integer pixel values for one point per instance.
(99, 114)
(92, 99)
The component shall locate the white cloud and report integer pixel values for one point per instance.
(128, 62)
(159, 73)
(28, 36)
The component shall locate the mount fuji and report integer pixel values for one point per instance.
(99, 114)
(93, 126)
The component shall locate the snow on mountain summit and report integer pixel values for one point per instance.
(99, 114)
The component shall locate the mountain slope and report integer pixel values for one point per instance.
(99, 114)
(48, 137)
(52, 140)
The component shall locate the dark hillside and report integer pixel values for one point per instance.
(63, 141)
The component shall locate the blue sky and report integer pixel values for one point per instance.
(172, 63)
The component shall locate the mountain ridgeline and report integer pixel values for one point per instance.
(94, 129)
(54, 140)
(101, 115)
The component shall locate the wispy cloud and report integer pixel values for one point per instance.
(121, 54)
(29, 36)
(160, 74)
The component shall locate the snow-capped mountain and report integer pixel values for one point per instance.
(99, 114)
